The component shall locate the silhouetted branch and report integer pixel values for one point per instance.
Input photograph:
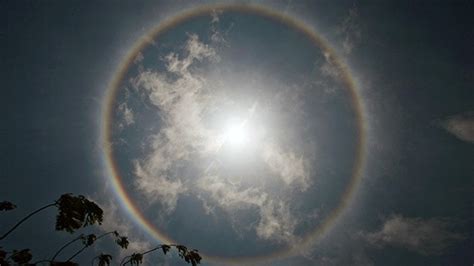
(26, 218)
(41, 261)
(190, 256)
(77, 253)
(76, 212)
(7, 206)
(103, 259)
(66, 245)
(91, 239)
(20, 257)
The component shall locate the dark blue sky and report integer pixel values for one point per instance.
(414, 62)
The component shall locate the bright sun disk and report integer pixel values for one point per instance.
(236, 135)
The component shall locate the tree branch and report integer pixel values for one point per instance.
(86, 246)
(66, 245)
(26, 218)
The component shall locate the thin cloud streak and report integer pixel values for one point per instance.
(425, 236)
(461, 126)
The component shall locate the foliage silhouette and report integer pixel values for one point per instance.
(104, 259)
(21, 257)
(76, 212)
(89, 240)
(190, 256)
(7, 206)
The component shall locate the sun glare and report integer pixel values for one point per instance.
(236, 135)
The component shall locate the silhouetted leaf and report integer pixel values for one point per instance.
(21, 257)
(116, 234)
(3, 255)
(194, 257)
(165, 248)
(136, 258)
(104, 259)
(122, 242)
(7, 206)
(89, 240)
(76, 212)
(182, 250)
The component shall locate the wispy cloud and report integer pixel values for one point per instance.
(127, 115)
(276, 221)
(178, 155)
(181, 102)
(291, 168)
(139, 58)
(329, 68)
(461, 126)
(217, 36)
(425, 236)
(350, 31)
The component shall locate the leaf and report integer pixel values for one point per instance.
(21, 257)
(76, 212)
(165, 248)
(182, 250)
(7, 206)
(3, 255)
(104, 259)
(89, 240)
(191, 256)
(136, 258)
(194, 257)
(122, 242)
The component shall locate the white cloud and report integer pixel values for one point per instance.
(425, 236)
(179, 153)
(229, 196)
(292, 169)
(329, 68)
(461, 126)
(215, 16)
(218, 37)
(127, 114)
(350, 30)
(158, 187)
(139, 58)
(276, 221)
(181, 102)
(196, 51)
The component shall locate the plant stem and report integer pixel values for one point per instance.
(65, 246)
(40, 261)
(26, 218)
(92, 262)
(77, 253)
(144, 253)
(85, 246)
(122, 261)
(151, 250)
(104, 234)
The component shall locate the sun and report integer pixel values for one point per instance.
(236, 134)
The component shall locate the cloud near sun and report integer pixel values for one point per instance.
(184, 141)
